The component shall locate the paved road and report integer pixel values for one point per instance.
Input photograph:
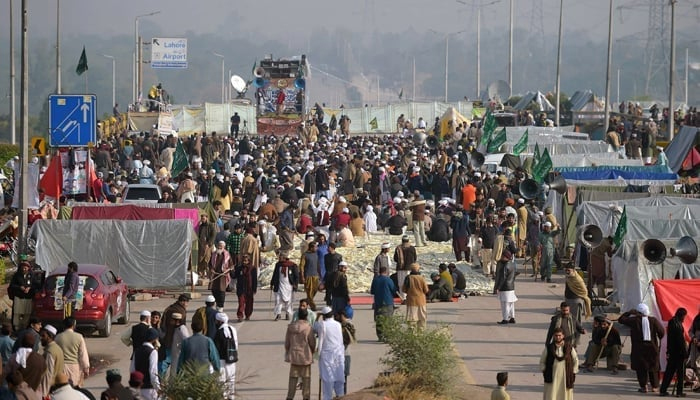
(484, 346)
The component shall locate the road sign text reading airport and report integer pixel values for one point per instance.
(169, 53)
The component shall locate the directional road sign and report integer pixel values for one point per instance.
(72, 119)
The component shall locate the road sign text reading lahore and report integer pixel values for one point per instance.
(168, 53)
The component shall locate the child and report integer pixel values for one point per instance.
(500, 393)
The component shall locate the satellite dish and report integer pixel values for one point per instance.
(499, 89)
(238, 83)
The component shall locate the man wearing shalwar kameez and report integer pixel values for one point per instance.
(219, 268)
(559, 365)
(224, 333)
(331, 361)
(284, 282)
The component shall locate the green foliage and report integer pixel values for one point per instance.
(424, 356)
(193, 381)
(7, 151)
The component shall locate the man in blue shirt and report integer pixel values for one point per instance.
(199, 349)
(383, 289)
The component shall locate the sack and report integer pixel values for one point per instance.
(231, 355)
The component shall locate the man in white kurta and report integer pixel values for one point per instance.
(557, 388)
(331, 361)
(370, 220)
(284, 281)
(179, 335)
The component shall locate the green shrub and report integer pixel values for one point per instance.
(193, 381)
(7, 151)
(424, 356)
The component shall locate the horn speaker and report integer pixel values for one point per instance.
(529, 188)
(300, 83)
(419, 139)
(259, 82)
(259, 72)
(686, 249)
(477, 160)
(654, 251)
(432, 141)
(590, 235)
(556, 183)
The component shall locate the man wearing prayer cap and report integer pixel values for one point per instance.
(382, 259)
(145, 361)
(207, 316)
(135, 335)
(226, 340)
(645, 332)
(53, 355)
(219, 273)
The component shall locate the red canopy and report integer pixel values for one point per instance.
(674, 293)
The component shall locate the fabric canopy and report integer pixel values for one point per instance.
(679, 147)
(672, 294)
(123, 212)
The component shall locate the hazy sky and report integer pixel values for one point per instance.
(293, 20)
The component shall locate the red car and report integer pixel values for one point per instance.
(105, 297)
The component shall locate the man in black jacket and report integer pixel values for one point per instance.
(676, 352)
(505, 285)
(22, 289)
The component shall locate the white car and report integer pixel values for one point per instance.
(141, 193)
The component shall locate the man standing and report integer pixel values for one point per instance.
(332, 259)
(504, 286)
(522, 213)
(246, 276)
(207, 316)
(331, 360)
(284, 282)
(146, 363)
(460, 234)
(179, 307)
(576, 297)
(199, 349)
(382, 259)
(310, 271)
(250, 247)
(286, 231)
(677, 353)
(599, 265)
(235, 124)
(70, 288)
(219, 273)
(205, 235)
(488, 242)
(559, 365)
(404, 255)
(645, 332)
(75, 354)
(21, 290)
(569, 325)
(135, 335)
(226, 342)
(337, 293)
(383, 289)
(53, 358)
(416, 289)
(299, 348)
(418, 214)
(547, 249)
(233, 242)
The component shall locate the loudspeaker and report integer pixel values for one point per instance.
(259, 72)
(686, 249)
(529, 188)
(432, 141)
(300, 83)
(419, 139)
(259, 82)
(477, 160)
(556, 183)
(590, 235)
(654, 251)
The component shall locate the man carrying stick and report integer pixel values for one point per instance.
(605, 342)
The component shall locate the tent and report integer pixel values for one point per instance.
(677, 151)
(450, 115)
(537, 97)
(618, 175)
(586, 100)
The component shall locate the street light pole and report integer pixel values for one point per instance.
(24, 129)
(608, 70)
(478, 52)
(58, 46)
(137, 51)
(447, 57)
(686, 77)
(13, 111)
(510, 51)
(672, 72)
(114, 78)
(223, 77)
(558, 87)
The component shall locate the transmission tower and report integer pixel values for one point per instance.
(536, 42)
(656, 55)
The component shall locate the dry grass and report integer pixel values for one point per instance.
(399, 386)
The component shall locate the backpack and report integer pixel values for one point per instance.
(231, 354)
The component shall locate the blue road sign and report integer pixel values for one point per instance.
(72, 119)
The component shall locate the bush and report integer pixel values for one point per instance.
(7, 151)
(193, 381)
(423, 359)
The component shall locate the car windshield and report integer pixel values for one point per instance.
(50, 285)
(505, 119)
(137, 193)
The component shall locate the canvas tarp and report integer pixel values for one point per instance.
(146, 254)
(534, 97)
(678, 149)
(590, 160)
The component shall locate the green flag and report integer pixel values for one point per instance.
(621, 228)
(82, 63)
(401, 94)
(255, 64)
(497, 141)
(179, 160)
(521, 145)
(536, 157)
(488, 127)
(373, 124)
(542, 168)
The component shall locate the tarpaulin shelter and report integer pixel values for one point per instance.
(537, 97)
(451, 115)
(618, 175)
(677, 151)
(146, 254)
(586, 100)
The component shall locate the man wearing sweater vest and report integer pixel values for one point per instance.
(75, 353)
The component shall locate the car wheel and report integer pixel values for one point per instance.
(124, 319)
(106, 330)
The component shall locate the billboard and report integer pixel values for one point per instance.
(168, 53)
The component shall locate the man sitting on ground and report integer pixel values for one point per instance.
(440, 289)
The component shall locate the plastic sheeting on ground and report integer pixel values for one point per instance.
(146, 254)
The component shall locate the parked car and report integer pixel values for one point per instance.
(105, 297)
(141, 193)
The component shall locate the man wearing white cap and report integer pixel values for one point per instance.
(207, 316)
(661, 158)
(521, 221)
(284, 282)
(53, 355)
(382, 259)
(135, 335)
(370, 220)
(226, 342)
(179, 335)
(331, 361)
